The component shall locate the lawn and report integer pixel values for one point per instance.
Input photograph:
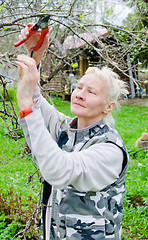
(18, 197)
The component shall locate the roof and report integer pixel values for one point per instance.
(74, 41)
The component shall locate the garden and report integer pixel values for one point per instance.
(121, 44)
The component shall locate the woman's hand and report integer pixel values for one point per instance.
(32, 42)
(29, 77)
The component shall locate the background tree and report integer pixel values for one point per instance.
(72, 17)
(137, 22)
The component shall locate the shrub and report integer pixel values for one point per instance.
(14, 215)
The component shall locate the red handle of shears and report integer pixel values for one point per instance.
(31, 32)
(43, 34)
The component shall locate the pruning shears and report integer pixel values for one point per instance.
(43, 25)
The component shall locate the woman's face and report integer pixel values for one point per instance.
(88, 100)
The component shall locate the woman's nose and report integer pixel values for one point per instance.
(81, 94)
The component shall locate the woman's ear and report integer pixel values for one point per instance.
(109, 107)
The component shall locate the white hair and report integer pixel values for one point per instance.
(115, 88)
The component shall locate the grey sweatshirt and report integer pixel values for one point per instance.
(41, 129)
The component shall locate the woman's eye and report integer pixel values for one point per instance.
(78, 87)
(92, 92)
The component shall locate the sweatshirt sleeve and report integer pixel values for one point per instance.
(91, 169)
(52, 118)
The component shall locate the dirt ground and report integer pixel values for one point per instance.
(135, 101)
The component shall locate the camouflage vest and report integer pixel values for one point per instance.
(90, 215)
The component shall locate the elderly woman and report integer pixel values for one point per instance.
(83, 160)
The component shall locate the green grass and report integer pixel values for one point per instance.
(131, 122)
